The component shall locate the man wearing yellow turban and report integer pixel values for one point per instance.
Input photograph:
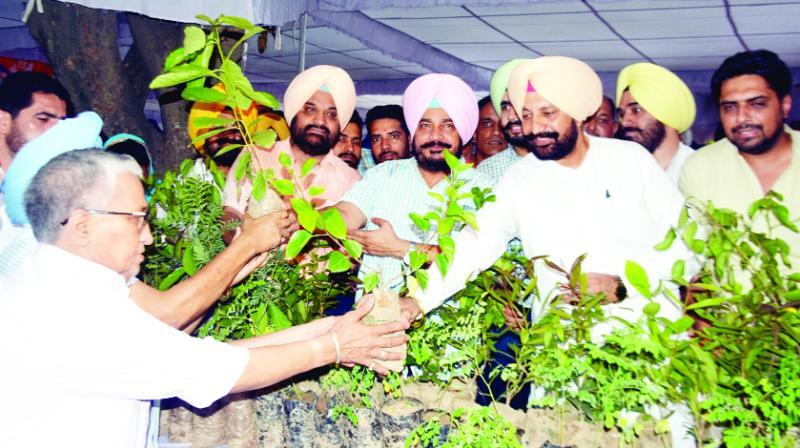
(442, 113)
(655, 107)
(317, 105)
(497, 165)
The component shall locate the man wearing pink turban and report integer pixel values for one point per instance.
(442, 113)
(317, 105)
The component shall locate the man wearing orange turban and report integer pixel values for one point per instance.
(655, 107)
(317, 105)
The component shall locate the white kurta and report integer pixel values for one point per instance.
(676, 165)
(80, 361)
(614, 207)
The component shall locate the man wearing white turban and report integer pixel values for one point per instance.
(442, 113)
(655, 107)
(317, 105)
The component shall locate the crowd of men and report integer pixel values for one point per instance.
(572, 175)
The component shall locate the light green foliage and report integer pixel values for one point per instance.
(472, 427)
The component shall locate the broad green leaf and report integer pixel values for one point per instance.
(202, 60)
(188, 262)
(178, 75)
(420, 222)
(264, 99)
(417, 259)
(681, 325)
(667, 242)
(259, 186)
(315, 190)
(333, 223)
(436, 196)
(448, 246)
(277, 318)
(228, 148)
(637, 277)
(175, 57)
(208, 134)
(338, 262)
(194, 39)
(370, 282)
(206, 18)
(471, 220)
(698, 246)
(306, 214)
(296, 243)
(285, 160)
(353, 248)
(678, 269)
(446, 226)
(265, 138)
(308, 165)
(422, 278)
(283, 186)
(208, 122)
(171, 279)
(651, 309)
(243, 165)
(688, 232)
(795, 277)
(260, 319)
(238, 22)
(684, 217)
(451, 160)
(443, 263)
(204, 95)
(238, 79)
(707, 303)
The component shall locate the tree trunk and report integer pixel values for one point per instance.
(81, 44)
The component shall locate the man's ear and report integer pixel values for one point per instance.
(786, 106)
(6, 122)
(78, 228)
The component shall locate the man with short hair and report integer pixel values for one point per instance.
(348, 148)
(603, 122)
(655, 107)
(87, 210)
(388, 133)
(30, 103)
(760, 153)
(488, 138)
(497, 165)
(442, 111)
(317, 104)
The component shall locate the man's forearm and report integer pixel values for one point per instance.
(290, 335)
(271, 364)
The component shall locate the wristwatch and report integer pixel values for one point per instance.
(621, 291)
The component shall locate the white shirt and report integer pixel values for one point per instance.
(80, 361)
(676, 165)
(614, 207)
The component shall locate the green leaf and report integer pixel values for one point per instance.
(471, 220)
(188, 262)
(285, 160)
(315, 190)
(238, 22)
(651, 309)
(208, 134)
(277, 318)
(175, 57)
(296, 243)
(795, 277)
(171, 279)
(243, 165)
(178, 75)
(265, 138)
(688, 232)
(206, 18)
(260, 319)
(443, 263)
(306, 214)
(698, 246)
(451, 160)
(240, 82)
(637, 277)
(283, 186)
(448, 246)
(259, 186)
(264, 99)
(707, 303)
(667, 242)
(420, 222)
(308, 165)
(353, 248)
(678, 269)
(208, 122)
(417, 259)
(205, 95)
(681, 325)
(333, 223)
(422, 278)
(370, 282)
(194, 39)
(338, 262)
(228, 148)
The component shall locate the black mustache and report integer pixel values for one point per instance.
(532, 137)
(311, 126)
(630, 129)
(435, 143)
(742, 127)
(508, 125)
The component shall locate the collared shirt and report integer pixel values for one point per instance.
(497, 165)
(614, 207)
(391, 191)
(718, 173)
(81, 361)
(331, 173)
(676, 165)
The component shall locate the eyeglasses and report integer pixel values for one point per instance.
(144, 215)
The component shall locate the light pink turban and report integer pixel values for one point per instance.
(441, 90)
(327, 78)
